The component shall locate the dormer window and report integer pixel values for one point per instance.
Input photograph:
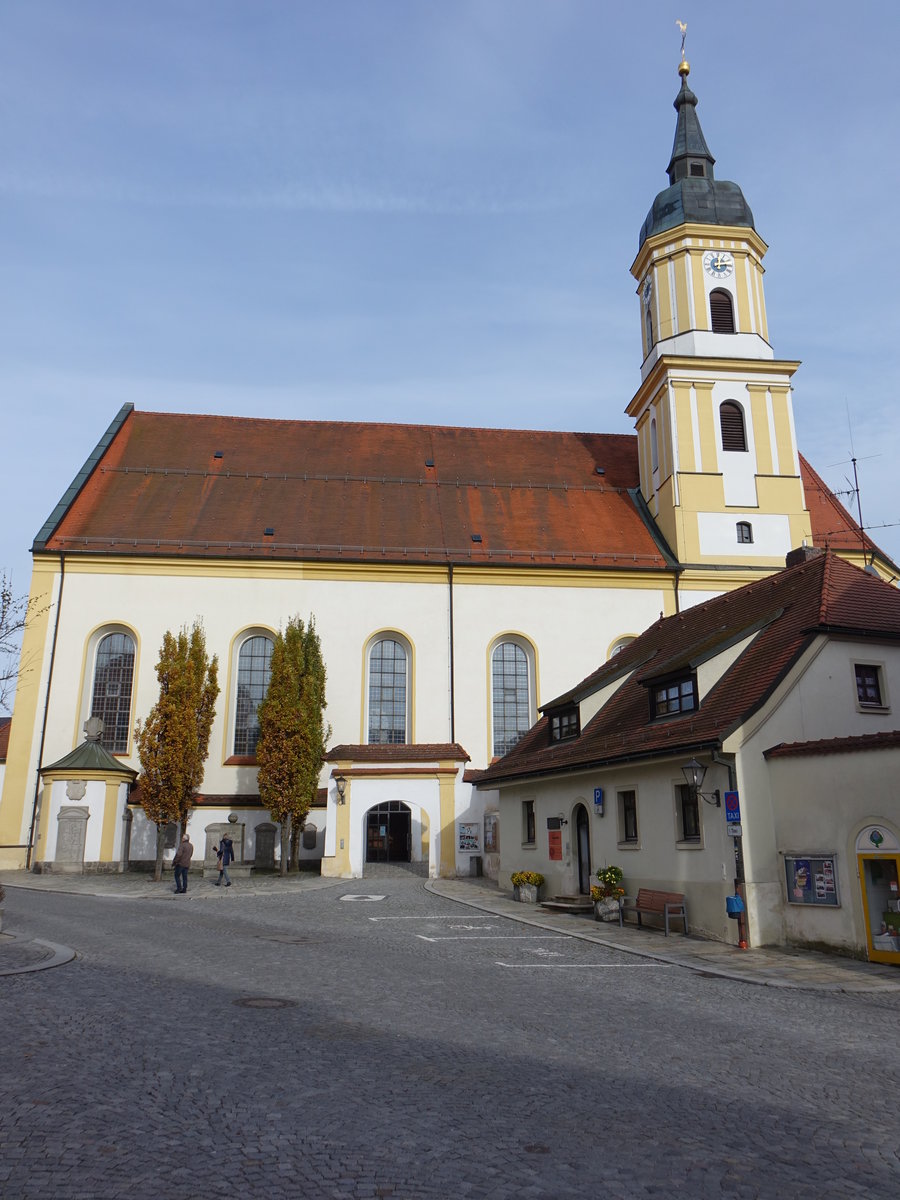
(698, 169)
(675, 696)
(564, 725)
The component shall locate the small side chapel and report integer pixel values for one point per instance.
(458, 577)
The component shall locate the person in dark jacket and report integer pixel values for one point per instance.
(225, 854)
(182, 864)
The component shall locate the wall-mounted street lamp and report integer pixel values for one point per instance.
(694, 773)
(341, 784)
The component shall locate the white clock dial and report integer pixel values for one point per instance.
(718, 263)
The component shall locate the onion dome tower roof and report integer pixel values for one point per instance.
(694, 193)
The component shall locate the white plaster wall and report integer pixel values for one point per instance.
(704, 872)
(817, 701)
(55, 798)
(718, 534)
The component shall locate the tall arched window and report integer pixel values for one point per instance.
(654, 445)
(111, 693)
(253, 672)
(388, 692)
(721, 311)
(731, 422)
(510, 695)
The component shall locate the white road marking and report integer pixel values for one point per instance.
(533, 966)
(361, 898)
(434, 917)
(496, 937)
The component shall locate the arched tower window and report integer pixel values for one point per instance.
(721, 311)
(388, 692)
(253, 673)
(731, 422)
(111, 693)
(744, 533)
(654, 445)
(648, 320)
(511, 688)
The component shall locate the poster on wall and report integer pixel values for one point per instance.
(469, 837)
(491, 833)
(554, 837)
(811, 879)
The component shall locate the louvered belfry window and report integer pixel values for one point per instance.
(731, 420)
(721, 311)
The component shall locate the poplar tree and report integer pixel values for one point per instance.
(173, 742)
(292, 730)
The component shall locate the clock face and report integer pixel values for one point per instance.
(647, 290)
(718, 263)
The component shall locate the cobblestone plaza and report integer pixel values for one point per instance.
(374, 1038)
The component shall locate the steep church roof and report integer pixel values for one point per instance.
(778, 616)
(694, 194)
(228, 487)
(182, 485)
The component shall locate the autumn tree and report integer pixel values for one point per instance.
(173, 742)
(292, 730)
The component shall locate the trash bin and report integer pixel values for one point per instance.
(476, 866)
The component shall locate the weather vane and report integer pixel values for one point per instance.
(682, 25)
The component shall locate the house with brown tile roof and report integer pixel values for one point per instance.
(456, 576)
(783, 691)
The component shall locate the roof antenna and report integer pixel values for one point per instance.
(862, 536)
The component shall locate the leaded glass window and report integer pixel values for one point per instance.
(511, 695)
(254, 670)
(111, 697)
(387, 693)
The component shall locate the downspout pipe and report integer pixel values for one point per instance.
(37, 780)
(739, 880)
(452, 671)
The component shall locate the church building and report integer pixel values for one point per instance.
(458, 577)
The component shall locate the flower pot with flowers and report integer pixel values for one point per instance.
(527, 885)
(607, 893)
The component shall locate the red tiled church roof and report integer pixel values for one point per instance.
(364, 492)
(241, 487)
(783, 613)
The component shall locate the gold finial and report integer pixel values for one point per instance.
(684, 67)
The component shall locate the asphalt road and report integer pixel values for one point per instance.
(315, 1045)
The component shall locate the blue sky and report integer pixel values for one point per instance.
(404, 211)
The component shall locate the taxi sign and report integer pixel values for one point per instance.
(732, 806)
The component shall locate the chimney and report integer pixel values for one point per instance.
(802, 554)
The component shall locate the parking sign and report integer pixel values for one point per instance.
(732, 807)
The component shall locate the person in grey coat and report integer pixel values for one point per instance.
(182, 864)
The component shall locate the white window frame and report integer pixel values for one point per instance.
(91, 652)
(878, 667)
(527, 649)
(389, 635)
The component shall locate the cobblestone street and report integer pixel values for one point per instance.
(371, 1038)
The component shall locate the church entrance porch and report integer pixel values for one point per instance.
(389, 833)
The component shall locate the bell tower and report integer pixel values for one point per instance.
(719, 466)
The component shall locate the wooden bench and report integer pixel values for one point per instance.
(664, 905)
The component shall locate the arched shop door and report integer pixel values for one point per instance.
(583, 838)
(388, 833)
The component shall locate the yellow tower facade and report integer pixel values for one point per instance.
(719, 465)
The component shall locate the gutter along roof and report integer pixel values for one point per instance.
(182, 485)
(787, 611)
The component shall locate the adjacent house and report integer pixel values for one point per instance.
(785, 692)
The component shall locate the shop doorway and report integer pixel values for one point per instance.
(879, 878)
(583, 841)
(388, 833)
